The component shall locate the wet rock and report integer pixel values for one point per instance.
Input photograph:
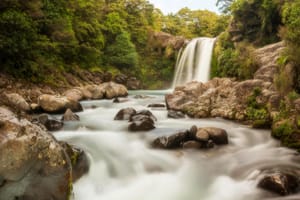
(15, 101)
(70, 116)
(79, 160)
(202, 135)
(193, 130)
(157, 105)
(280, 183)
(160, 142)
(217, 135)
(50, 123)
(175, 114)
(144, 112)
(144, 123)
(124, 114)
(139, 96)
(192, 145)
(176, 140)
(210, 144)
(58, 104)
(33, 165)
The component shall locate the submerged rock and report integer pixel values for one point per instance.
(33, 165)
(175, 114)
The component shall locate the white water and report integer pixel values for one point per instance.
(125, 168)
(194, 62)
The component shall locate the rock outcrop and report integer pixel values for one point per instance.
(220, 97)
(33, 165)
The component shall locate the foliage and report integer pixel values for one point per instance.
(122, 52)
(233, 61)
(196, 23)
(256, 112)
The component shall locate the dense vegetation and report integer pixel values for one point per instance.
(256, 23)
(41, 37)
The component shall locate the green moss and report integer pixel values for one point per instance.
(282, 131)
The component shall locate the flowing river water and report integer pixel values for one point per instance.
(124, 167)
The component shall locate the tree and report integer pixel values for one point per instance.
(122, 52)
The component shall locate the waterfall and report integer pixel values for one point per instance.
(194, 62)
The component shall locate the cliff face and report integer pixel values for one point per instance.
(161, 41)
(257, 101)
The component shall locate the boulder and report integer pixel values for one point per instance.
(124, 114)
(93, 92)
(121, 79)
(176, 140)
(16, 102)
(50, 123)
(57, 104)
(79, 160)
(33, 165)
(112, 90)
(70, 116)
(74, 94)
(144, 124)
(202, 135)
(144, 112)
(175, 114)
(280, 183)
(217, 135)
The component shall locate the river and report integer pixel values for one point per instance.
(124, 167)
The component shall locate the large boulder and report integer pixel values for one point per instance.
(217, 135)
(93, 92)
(15, 101)
(74, 94)
(280, 183)
(33, 165)
(57, 104)
(112, 90)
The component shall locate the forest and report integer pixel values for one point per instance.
(42, 38)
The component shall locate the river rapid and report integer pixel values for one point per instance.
(124, 167)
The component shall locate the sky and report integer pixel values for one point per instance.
(168, 6)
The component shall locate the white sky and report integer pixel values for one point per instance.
(168, 6)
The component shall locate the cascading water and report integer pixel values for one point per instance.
(194, 62)
(124, 167)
